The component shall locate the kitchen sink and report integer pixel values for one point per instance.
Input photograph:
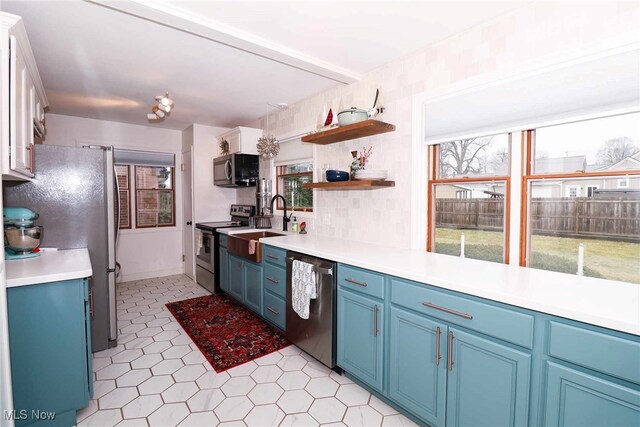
(238, 244)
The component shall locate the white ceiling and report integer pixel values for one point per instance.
(222, 61)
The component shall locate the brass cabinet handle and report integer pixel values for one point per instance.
(451, 351)
(273, 310)
(272, 257)
(271, 279)
(447, 310)
(438, 357)
(355, 282)
(375, 320)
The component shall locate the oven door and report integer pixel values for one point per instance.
(205, 258)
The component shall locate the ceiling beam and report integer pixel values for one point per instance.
(183, 20)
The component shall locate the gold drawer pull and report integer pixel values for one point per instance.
(273, 310)
(272, 257)
(355, 282)
(447, 310)
(271, 279)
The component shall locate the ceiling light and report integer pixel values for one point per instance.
(163, 106)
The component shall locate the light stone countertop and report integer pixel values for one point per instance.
(50, 266)
(607, 303)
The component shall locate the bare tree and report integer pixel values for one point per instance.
(463, 157)
(616, 149)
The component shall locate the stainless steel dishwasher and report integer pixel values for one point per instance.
(317, 334)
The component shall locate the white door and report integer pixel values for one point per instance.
(187, 214)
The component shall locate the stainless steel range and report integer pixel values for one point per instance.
(207, 252)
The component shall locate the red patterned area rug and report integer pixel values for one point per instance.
(226, 333)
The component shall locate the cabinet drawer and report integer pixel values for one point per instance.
(274, 255)
(222, 239)
(498, 322)
(274, 309)
(275, 279)
(595, 350)
(364, 281)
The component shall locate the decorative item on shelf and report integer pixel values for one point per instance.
(224, 147)
(359, 161)
(329, 119)
(336, 175)
(303, 227)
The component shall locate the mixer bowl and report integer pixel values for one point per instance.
(22, 240)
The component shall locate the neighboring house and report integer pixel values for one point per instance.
(470, 191)
(585, 187)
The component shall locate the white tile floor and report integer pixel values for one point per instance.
(156, 376)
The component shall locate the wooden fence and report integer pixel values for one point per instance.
(615, 218)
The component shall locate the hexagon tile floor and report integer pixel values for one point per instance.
(156, 376)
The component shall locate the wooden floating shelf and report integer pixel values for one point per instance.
(350, 185)
(344, 133)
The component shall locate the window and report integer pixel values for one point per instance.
(602, 210)
(122, 174)
(155, 196)
(289, 182)
(469, 195)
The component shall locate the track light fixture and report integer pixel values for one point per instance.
(163, 106)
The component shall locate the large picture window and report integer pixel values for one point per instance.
(579, 218)
(155, 196)
(469, 198)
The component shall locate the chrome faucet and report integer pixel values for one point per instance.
(286, 218)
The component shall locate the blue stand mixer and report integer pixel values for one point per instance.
(21, 238)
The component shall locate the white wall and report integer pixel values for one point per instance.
(537, 32)
(142, 253)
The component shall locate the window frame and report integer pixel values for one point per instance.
(278, 175)
(528, 177)
(434, 179)
(129, 192)
(173, 197)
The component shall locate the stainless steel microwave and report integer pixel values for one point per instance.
(236, 170)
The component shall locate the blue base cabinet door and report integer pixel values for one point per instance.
(417, 365)
(236, 278)
(488, 383)
(253, 286)
(360, 340)
(50, 352)
(224, 269)
(575, 398)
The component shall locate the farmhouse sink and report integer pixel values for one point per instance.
(238, 244)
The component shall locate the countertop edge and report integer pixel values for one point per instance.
(27, 272)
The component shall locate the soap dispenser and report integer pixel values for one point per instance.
(295, 227)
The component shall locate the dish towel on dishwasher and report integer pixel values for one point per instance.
(303, 287)
(198, 241)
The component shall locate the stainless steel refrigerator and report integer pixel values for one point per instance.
(75, 192)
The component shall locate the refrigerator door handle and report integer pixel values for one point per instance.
(113, 320)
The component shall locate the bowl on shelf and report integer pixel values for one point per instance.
(335, 176)
(371, 174)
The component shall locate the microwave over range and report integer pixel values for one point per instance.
(236, 170)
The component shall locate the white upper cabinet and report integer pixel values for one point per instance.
(22, 101)
(241, 140)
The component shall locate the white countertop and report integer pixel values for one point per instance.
(607, 303)
(51, 266)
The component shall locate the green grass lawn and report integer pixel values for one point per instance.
(603, 258)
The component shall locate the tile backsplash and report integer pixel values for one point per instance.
(534, 32)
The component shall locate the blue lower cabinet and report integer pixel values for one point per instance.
(417, 365)
(575, 398)
(224, 269)
(488, 383)
(360, 337)
(49, 327)
(253, 286)
(274, 309)
(236, 278)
